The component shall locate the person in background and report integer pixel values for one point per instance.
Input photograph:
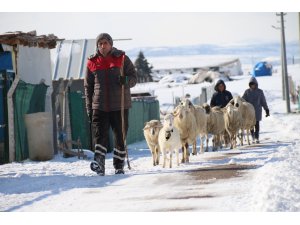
(221, 97)
(256, 97)
(103, 90)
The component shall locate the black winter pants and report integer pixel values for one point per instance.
(255, 131)
(101, 122)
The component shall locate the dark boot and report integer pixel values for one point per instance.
(98, 165)
(119, 166)
(100, 170)
(119, 171)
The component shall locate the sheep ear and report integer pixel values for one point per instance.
(146, 126)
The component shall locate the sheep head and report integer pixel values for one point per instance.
(207, 108)
(180, 111)
(153, 126)
(168, 121)
(237, 101)
(187, 104)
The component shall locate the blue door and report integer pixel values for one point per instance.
(6, 79)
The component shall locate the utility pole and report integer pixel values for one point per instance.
(284, 62)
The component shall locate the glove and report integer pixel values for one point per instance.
(123, 80)
(89, 114)
(267, 113)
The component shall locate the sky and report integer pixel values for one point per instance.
(157, 29)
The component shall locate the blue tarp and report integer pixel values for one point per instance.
(5, 61)
(262, 69)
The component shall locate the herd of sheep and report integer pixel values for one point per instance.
(181, 128)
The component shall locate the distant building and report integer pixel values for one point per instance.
(228, 68)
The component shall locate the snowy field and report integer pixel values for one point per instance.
(264, 177)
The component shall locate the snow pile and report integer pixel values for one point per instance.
(277, 183)
(175, 79)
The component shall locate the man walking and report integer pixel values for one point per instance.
(256, 97)
(103, 90)
(221, 97)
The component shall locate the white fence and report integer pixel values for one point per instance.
(205, 95)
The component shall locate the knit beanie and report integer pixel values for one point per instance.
(105, 36)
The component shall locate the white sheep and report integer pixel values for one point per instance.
(233, 123)
(215, 125)
(151, 131)
(169, 139)
(201, 121)
(185, 122)
(248, 115)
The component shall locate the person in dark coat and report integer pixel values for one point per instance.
(221, 97)
(256, 97)
(103, 90)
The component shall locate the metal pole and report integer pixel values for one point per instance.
(282, 71)
(288, 108)
(299, 26)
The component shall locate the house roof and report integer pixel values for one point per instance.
(30, 39)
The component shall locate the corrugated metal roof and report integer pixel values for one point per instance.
(70, 58)
(30, 39)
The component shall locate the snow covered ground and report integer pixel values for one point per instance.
(264, 177)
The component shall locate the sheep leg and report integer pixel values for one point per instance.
(234, 140)
(153, 157)
(195, 148)
(248, 139)
(220, 141)
(215, 140)
(207, 140)
(238, 136)
(242, 137)
(165, 158)
(202, 144)
(187, 151)
(171, 154)
(214, 143)
(157, 155)
(183, 154)
(177, 156)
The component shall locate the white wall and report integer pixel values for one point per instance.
(34, 64)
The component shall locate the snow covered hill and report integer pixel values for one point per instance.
(263, 177)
